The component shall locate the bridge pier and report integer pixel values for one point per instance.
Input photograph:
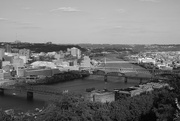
(105, 78)
(1, 91)
(125, 80)
(29, 95)
(140, 82)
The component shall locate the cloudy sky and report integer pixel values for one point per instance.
(91, 21)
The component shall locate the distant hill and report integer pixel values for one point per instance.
(134, 47)
(43, 47)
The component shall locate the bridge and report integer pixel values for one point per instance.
(132, 73)
(29, 89)
(153, 74)
(105, 60)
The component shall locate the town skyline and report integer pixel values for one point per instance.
(96, 22)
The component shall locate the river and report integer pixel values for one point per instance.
(18, 101)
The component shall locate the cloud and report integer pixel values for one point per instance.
(30, 27)
(26, 8)
(8, 21)
(26, 23)
(3, 19)
(66, 9)
(118, 27)
(149, 0)
(120, 10)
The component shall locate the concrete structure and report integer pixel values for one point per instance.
(24, 58)
(86, 62)
(58, 62)
(75, 52)
(59, 56)
(18, 62)
(75, 62)
(141, 89)
(8, 48)
(4, 63)
(100, 96)
(0, 64)
(8, 58)
(20, 72)
(5, 75)
(71, 63)
(7, 68)
(67, 68)
(164, 67)
(41, 72)
(78, 53)
(68, 50)
(64, 64)
(2, 50)
(43, 64)
(25, 52)
(147, 60)
(1, 76)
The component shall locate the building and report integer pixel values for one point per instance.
(100, 96)
(8, 48)
(68, 50)
(18, 62)
(41, 72)
(59, 56)
(78, 53)
(14, 50)
(75, 52)
(4, 63)
(7, 68)
(138, 90)
(20, 72)
(0, 64)
(5, 75)
(58, 62)
(25, 58)
(25, 52)
(8, 58)
(2, 50)
(46, 64)
(147, 60)
(86, 62)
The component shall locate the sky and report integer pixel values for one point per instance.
(90, 21)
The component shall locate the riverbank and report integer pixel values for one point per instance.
(60, 77)
(6, 82)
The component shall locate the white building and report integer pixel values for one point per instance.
(2, 50)
(75, 52)
(147, 60)
(25, 52)
(25, 58)
(86, 62)
(18, 62)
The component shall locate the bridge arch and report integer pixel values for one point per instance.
(99, 72)
(160, 72)
(115, 74)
